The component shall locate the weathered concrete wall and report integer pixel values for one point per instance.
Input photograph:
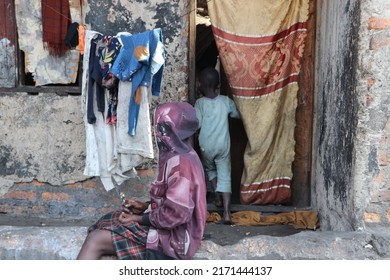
(7, 63)
(337, 114)
(351, 115)
(42, 137)
(136, 16)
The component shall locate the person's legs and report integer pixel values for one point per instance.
(224, 185)
(211, 171)
(227, 213)
(97, 244)
(218, 197)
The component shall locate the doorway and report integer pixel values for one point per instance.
(206, 54)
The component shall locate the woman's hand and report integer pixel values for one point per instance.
(129, 217)
(134, 206)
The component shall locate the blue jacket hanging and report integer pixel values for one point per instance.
(135, 63)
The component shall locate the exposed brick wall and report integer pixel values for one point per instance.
(378, 27)
(85, 201)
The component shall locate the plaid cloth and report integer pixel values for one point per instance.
(129, 239)
(55, 21)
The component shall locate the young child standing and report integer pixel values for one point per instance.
(213, 111)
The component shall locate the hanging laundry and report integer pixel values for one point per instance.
(95, 78)
(55, 22)
(140, 60)
(81, 30)
(72, 36)
(111, 154)
(109, 50)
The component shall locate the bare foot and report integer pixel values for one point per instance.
(227, 218)
(218, 200)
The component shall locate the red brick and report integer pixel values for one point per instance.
(379, 41)
(22, 183)
(106, 210)
(140, 188)
(378, 23)
(22, 195)
(88, 210)
(38, 210)
(145, 172)
(380, 178)
(372, 217)
(381, 196)
(384, 158)
(371, 82)
(4, 208)
(89, 184)
(37, 183)
(18, 210)
(55, 196)
(73, 185)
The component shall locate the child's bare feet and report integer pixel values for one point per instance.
(227, 218)
(218, 200)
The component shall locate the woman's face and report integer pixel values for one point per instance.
(163, 132)
(174, 123)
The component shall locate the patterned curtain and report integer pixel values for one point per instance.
(260, 44)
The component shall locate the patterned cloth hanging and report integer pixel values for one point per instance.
(261, 44)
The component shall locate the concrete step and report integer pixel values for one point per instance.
(63, 243)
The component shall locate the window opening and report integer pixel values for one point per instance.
(25, 80)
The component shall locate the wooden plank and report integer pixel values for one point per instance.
(301, 185)
(8, 71)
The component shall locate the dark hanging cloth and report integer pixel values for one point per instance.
(72, 36)
(109, 51)
(55, 22)
(95, 78)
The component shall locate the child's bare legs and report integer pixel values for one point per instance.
(218, 197)
(97, 244)
(227, 215)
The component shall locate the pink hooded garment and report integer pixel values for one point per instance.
(178, 196)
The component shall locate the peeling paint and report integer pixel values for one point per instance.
(7, 63)
(338, 115)
(46, 69)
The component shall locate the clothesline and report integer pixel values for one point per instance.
(183, 15)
